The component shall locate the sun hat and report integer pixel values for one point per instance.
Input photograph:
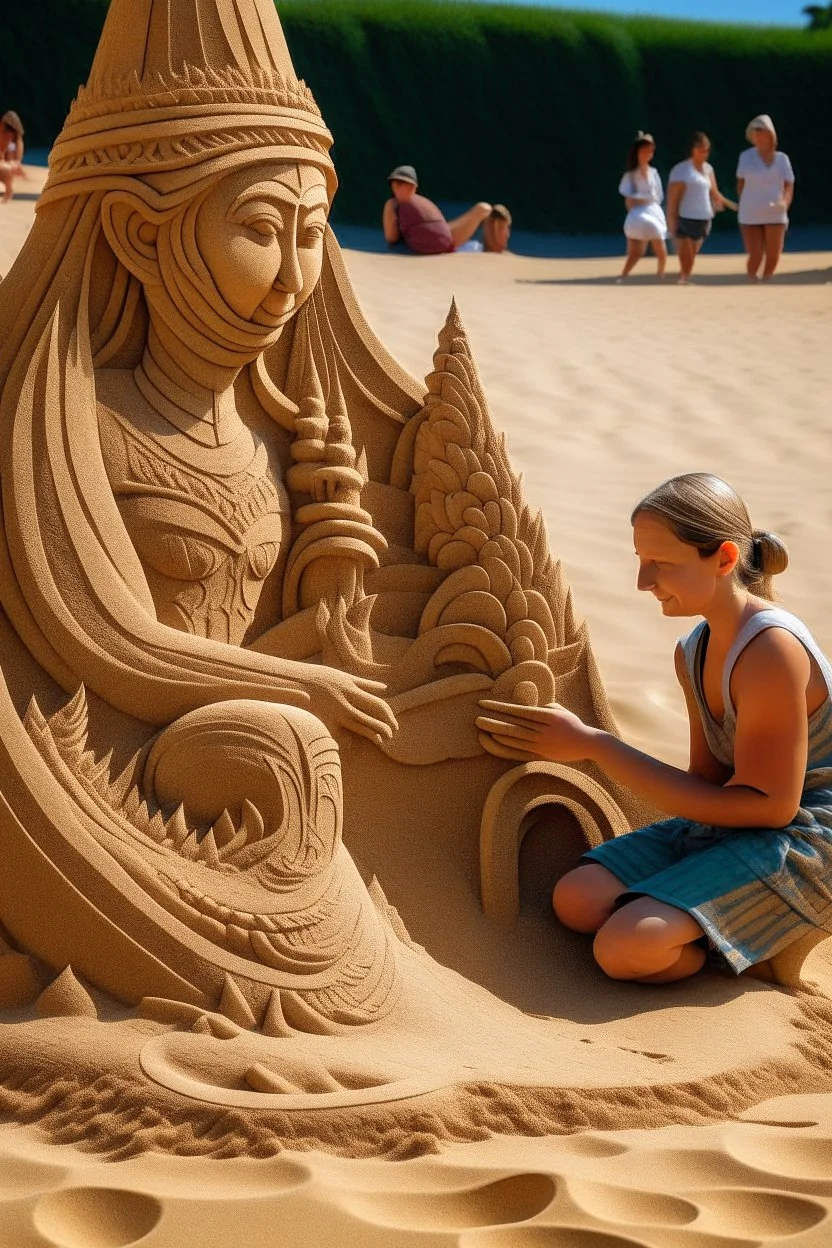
(403, 173)
(760, 122)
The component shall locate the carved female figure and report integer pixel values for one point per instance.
(147, 526)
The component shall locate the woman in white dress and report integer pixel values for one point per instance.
(641, 187)
(765, 181)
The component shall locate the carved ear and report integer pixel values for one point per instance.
(132, 229)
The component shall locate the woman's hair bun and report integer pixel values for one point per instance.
(770, 554)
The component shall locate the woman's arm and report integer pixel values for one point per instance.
(788, 194)
(770, 748)
(718, 200)
(675, 191)
(390, 222)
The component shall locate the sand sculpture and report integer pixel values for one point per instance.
(254, 580)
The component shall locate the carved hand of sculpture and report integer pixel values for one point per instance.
(344, 701)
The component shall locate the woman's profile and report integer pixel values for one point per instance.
(742, 867)
(645, 223)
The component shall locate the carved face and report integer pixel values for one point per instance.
(260, 232)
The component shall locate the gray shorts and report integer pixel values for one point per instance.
(691, 227)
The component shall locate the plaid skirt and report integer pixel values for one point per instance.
(753, 891)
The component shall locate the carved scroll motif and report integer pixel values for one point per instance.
(230, 821)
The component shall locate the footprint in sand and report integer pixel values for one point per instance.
(588, 1145)
(549, 1237)
(630, 1206)
(96, 1217)
(799, 1158)
(515, 1199)
(758, 1213)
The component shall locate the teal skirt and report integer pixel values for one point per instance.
(753, 891)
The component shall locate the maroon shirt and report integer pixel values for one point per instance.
(423, 227)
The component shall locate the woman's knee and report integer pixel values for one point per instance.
(583, 899)
(642, 939)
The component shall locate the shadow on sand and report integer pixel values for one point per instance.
(804, 277)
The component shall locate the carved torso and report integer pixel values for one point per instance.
(209, 523)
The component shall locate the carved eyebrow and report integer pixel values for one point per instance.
(266, 191)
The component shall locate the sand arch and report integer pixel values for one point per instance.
(509, 813)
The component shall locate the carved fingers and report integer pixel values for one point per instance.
(352, 702)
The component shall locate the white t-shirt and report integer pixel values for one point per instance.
(696, 200)
(635, 186)
(759, 201)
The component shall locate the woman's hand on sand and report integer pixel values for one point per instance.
(526, 732)
(344, 701)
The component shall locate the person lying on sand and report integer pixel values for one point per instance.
(411, 218)
(11, 153)
(744, 866)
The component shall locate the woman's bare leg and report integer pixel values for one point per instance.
(775, 237)
(585, 898)
(686, 251)
(6, 176)
(753, 238)
(635, 251)
(660, 252)
(465, 227)
(649, 941)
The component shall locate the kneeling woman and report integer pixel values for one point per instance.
(745, 865)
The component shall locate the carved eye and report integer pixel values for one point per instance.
(313, 231)
(189, 559)
(265, 224)
(262, 559)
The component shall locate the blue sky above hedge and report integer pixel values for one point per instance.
(769, 12)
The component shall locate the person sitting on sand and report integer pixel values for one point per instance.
(692, 199)
(421, 225)
(744, 866)
(765, 182)
(11, 152)
(644, 224)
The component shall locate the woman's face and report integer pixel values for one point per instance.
(646, 153)
(260, 233)
(701, 152)
(676, 574)
(763, 140)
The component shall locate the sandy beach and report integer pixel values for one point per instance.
(602, 391)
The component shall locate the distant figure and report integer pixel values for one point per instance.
(645, 223)
(11, 152)
(765, 182)
(417, 221)
(692, 199)
(497, 229)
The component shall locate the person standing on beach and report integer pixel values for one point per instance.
(765, 182)
(11, 153)
(743, 868)
(645, 223)
(692, 199)
(411, 218)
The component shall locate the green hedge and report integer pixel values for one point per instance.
(534, 107)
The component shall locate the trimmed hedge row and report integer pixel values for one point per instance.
(534, 107)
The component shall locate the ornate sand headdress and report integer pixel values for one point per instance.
(179, 89)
